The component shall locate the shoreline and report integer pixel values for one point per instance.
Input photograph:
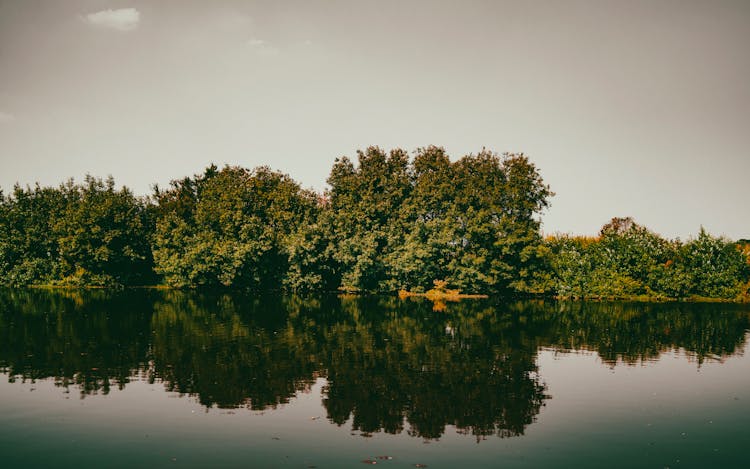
(432, 295)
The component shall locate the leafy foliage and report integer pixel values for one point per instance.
(229, 228)
(628, 260)
(77, 234)
(102, 236)
(401, 224)
(388, 222)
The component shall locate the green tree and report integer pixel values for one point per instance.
(311, 262)
(229, 228)
(400, 224)
(365, 201)
(102, 236)
(717, 268)
(28, 250)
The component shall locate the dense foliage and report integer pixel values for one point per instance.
(400, 224)
(387, 222)
(229, 228)
(78, 234)
(627, 260)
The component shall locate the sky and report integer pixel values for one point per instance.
(627, 108)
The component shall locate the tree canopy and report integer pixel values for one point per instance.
(388, 221)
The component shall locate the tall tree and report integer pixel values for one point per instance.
(28, 250)
(365, 201)
(472, 223)
(102, 236)
(228, 228)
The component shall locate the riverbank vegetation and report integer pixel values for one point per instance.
(388, 222)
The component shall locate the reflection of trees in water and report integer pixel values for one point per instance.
(395, 361)
(230, 351)
(635, 332)
(390, 364)
(92, 340)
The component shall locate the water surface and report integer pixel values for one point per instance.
(174, 379)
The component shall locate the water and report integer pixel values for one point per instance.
(170, 379)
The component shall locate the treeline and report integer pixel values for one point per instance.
(387, 222)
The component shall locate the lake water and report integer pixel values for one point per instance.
(173, 379)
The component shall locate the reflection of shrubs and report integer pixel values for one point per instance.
(476, 374)
(390, 365)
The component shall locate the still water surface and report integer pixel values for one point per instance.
(173, 379)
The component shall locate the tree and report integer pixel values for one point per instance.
(29, 252)
(229, 228)
(400, 225)
(102, 236)
(716, 267)
(365, 202)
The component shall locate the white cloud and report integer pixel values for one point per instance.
(124, 19)
(6, 117)
(262, 47)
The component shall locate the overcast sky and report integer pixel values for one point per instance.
(627, 108)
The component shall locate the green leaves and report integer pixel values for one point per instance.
(229, 228)
(628, 260)
(388, 222)
(718, 269)
(401, 225)
(102, 232)
(86, 234)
